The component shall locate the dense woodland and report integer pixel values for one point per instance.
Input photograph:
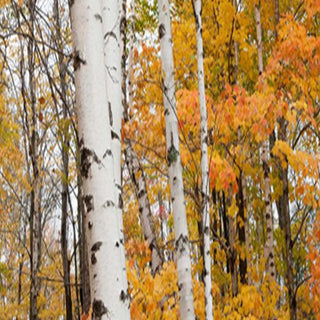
(194, 124)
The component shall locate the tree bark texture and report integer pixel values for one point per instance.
(268, 245)
(182, 243)
(197, 8)
(111, 17)
(65, 170)
(35, 223)
(140, 188)
(109, 297)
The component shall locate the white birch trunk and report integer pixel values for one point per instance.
(268, 246)
(130, 62)
(109, 297)
(197, 7)
(111, 17)
(140, 186)
(182, 243)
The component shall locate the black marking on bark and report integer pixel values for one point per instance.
(88, 200)
(265, 169)
(98, 309)
(120, 202)
(110, 114)
(123, 25)
(98, 17)
(90, 225)
(123, 296)
(77, 60)
(107, 153)
(172, 155)
(166, 112)
(197, 21)
(110, 34)
(93, 258)
(141, 193)
(180, 286)
(96, 246)
(108, 204)
(117, 244)
(184, 240)
(87, 156)
(268, 216)
(206, 230)
(114, 135)
(172, 199)
(95, 275)
(162, 31)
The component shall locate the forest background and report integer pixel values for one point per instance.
(261, 75)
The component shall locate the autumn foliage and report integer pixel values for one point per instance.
(245, 109)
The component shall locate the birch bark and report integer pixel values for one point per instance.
(197, 8)
(108, 294)
(268, 246)
(111, 17)
(182, 243)
(140, 187)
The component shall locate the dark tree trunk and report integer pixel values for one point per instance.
(242, 231)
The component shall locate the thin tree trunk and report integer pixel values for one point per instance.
(197, 8)
(182, 243)
(130, 62)
(140, 187)
(284, 211)
(232, 254)
(109, 296)
(268, 245)
(65, 171)
(34, 207)
(243, 229)
(276, 17)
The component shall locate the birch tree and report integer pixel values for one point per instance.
(268, 245)
(182, 243)
(197, 8)
(140, 188)
(111, 15)
(108, 294)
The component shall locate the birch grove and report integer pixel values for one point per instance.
(159, 159)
